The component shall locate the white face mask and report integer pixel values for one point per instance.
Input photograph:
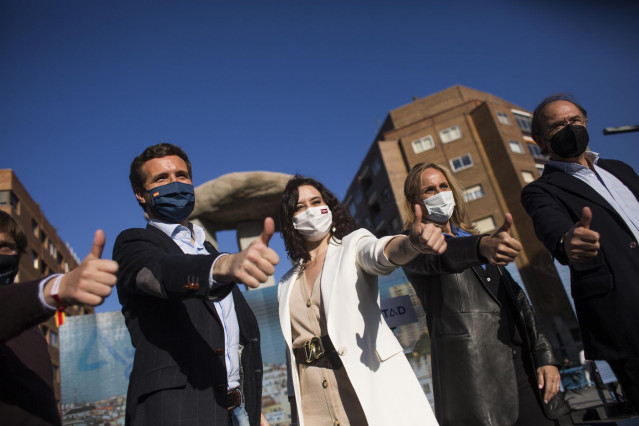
(314, 222)
(440, 207)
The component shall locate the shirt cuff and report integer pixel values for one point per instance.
(211, 279)
(384, 261)
(41, 292)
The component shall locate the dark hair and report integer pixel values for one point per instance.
(343, 223)
(136, 176)
(10, 226)
(413, 190)
(535, 125)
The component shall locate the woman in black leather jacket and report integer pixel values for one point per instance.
(488, 358)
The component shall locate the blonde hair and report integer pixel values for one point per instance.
(413, 189)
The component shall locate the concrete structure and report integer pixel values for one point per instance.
(485, 141)
(46, 254)
(239, 201)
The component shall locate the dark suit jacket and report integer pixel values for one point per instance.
(606, 288)
(474, 377)
(26, 374)
(177, 334)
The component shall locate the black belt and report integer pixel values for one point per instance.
(234, 398)
(319, 352)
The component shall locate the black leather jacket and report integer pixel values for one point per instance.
(473, 370)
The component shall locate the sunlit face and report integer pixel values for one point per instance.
(162, 171)
(8, 245)
(432, 182)
(555, 117)
(308, 196)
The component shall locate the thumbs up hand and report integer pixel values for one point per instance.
(426, 237)
(90, 283)
(252, 265)
(580, 242)
(500, 248)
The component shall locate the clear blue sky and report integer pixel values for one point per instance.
(285, 86)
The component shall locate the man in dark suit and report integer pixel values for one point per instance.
(26, 373)
(197, 358)
(585, 211)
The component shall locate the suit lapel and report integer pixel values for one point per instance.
(483, 277)
(329, 274)
(170, 245)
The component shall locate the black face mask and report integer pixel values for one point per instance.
(570, 142)
(9, 264)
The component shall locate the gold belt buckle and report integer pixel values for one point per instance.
(313, 350)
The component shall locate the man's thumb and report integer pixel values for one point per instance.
(269, 230)
(586, 217)
(98, 243)
(508, 223)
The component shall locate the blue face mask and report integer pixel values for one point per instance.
(172, 202)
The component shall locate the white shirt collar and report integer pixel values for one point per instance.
(173, 229)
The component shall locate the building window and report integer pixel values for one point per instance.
(450, 134)
(423, 144)
(503, 118)
(527, 176)
(540, 168)
(367, 223)
(35, 260)
(460, 163)
(377, 166)
(66, 267)
(8, 198)
(397, 225)
(535, 151)
(358, 197)
(523, 120)
(485, 225)
(53, 339)
(473, 193)
(516, 147)
(34, 227)
(352, 208)
(386, 194)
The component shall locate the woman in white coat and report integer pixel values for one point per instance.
(346, 366)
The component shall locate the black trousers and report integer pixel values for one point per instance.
(627, 372)
(530, 411)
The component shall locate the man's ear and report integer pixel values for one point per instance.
(541, 144)
(141, 199)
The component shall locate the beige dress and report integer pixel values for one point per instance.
(327, 396)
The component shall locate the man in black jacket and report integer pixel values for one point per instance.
(586, 212)
(197, 358)
(26, 373)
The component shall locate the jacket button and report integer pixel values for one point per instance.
(342, 350)
(219, 351)
(633, 244)
(324, 383)
(308, 303)
(192, 287)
